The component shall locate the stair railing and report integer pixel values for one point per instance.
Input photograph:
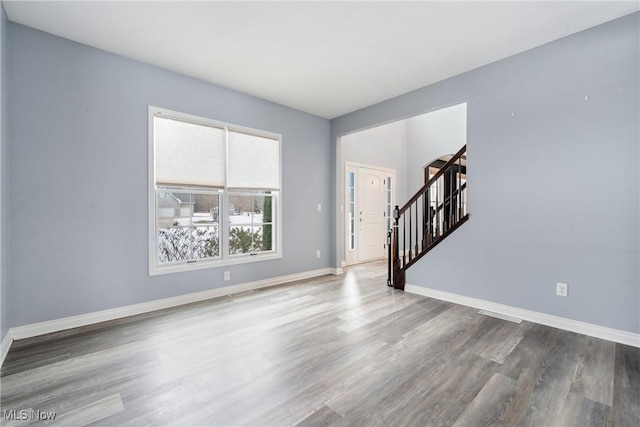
(434, 212)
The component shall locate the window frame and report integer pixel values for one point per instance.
(225, 258)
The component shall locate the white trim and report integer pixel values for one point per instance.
(5, 346)
(367, 166)
(337, 271)
(215, 262)
(500, 316)
(35, 329)
(151, 191)
(609, 334)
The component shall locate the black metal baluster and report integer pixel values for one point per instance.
(410, 233)
(456, 213)
(424, 219)
(460, 188)
(452, 186)
(404, 239)
(429, 216)
(415, 253)
(437, 233)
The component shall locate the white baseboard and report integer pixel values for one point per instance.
(337, 271)
(609, 334)
(56, 325)
(5, 346)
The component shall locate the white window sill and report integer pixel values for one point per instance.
(216, 263)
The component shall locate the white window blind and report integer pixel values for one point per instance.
(254, 162)
(188, 153)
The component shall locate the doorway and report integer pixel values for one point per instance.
(370, 195)
(402, 146)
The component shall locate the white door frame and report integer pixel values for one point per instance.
(351, 247)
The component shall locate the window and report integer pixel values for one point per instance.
(250, 222)
(187, 224)
(214, 193)
(389, 202)
(351, 191)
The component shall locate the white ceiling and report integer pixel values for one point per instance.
(325, 58)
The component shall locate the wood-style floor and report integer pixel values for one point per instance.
(335, 350)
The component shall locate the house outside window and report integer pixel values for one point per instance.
(214, 193)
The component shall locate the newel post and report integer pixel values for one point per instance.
(394, 253)
(389, 255)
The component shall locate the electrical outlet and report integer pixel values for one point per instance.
(318, 253)
(227, 275)
(319, 207)
(562, 289)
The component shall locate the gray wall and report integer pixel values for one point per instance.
(430, 136)
(78, 173)
(553, 190)
(383, 146)
(4, 183)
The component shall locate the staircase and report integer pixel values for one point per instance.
(432, 214)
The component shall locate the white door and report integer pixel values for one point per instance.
(371, 219)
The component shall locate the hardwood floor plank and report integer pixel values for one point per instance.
(593, 377)
(524, 365)
(392, 327)
(626, 391)
(505, 340)
(580, 411)
(91, 413)
(324, 416)
(554, 381)
(488, 407)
